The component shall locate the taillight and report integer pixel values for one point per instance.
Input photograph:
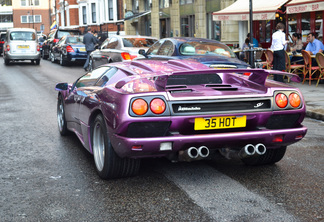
(55, 40)
(38, 48)
(69, 49)
(2, 42)
(281, 100)
(8, 48)
(157, 106)
(139, 107)
(127, 56)
(294, 100)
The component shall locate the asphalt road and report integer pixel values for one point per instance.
(46, 177)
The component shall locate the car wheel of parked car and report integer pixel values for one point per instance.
(270, 157)
(37, 61)
(108, 164)
(52, 57)
(62, 61)
(61, 117)
(6, 61)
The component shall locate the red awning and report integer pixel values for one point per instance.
(239, 10)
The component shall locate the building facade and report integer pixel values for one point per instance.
(6, 15)
(103, 16)
(32, 14)
(167, 18)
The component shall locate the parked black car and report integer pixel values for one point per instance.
(53, 37)
(69, 49)
(2, 39)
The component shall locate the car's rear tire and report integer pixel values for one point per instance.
(270, 157)
(37, 61)
(62, 61)
(108, 164)
(62, 125)
(52, 57)
(6, 61)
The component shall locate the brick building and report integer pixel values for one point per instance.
(32, 14)
(103, 16)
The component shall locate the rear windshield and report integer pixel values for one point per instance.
(23, 35)
(3, 36)
(204, 48)
(138, 42)
(74, 40)
(61, 33)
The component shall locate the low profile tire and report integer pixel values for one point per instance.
(108, 164)
(62, 61)
(270, 157)
(37, 61)
(61, 117)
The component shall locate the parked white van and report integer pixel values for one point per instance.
(21, 44)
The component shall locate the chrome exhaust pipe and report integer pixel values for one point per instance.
(248, 150)
(189, 154)
(203, 151)
(260, 149)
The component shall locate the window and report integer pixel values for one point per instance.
(319, 25)
(84, 15)
(110, 10)
(23, 19)
(183, 2)
(31, 18)
(37, 18)
(6, 18)
(135, 6)
(113, 43)
(6, 2)
(166, 49)
(26, 36)
(164, 3)
(29, 2)
(93, 12)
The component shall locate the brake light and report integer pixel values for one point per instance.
(69, 49)
(281, 100)
(2, 42)
(127, 56)
(38, 48)
(8, 48)
(139, 107)
(294, 100)
(55, 40)
(157, 106)
(277, 139)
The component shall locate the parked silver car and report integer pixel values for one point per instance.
(21, 44)
(120, 48)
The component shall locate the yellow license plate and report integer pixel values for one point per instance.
(23, 47)
(221, 122)
(82, 49)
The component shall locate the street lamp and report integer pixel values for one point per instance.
(28, 20)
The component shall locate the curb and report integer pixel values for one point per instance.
(315, 114)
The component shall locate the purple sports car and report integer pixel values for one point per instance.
(182, 110)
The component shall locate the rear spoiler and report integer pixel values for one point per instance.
(258, 76)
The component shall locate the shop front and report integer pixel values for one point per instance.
(235, 18)
(305, 16)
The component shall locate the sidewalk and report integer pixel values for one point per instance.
(314, 97)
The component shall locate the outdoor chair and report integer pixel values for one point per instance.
(269, 58)
(308, 70)
(320, 63)
(293, 68)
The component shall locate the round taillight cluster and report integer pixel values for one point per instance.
(282, 100)
(140, 106)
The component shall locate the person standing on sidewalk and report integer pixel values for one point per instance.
(90, 41)
(277, 46)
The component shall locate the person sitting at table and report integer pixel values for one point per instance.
(297, 44)
(314, 45)
(254, 41)
(244, 48)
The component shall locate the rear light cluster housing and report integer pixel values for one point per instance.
(149, 106)
(288, 100)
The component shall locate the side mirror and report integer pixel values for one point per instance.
(141, 52)
(61, 86)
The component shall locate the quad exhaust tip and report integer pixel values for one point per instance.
(193, 153)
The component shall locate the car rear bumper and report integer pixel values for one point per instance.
(155, 146)
(23, 57)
